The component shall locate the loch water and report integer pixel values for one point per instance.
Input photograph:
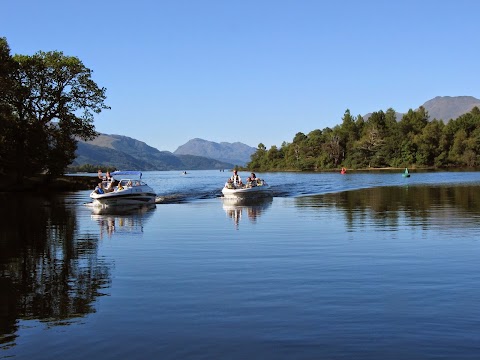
(367, 265)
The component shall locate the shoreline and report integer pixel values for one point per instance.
(42, 183)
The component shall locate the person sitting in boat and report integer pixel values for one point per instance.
(99, 189)
(129, 183)
(255, 180)
(107, 177)
(119, 186)
(251, 182)
(229, 184)
(110, 187)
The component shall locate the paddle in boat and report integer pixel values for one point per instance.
(130, 190)
(253, 189)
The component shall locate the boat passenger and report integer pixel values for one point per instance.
(99, 189)
(129, 183)
(107, 177)
(229, 184)
(109, 186)
(255, 180)
(251, 182)
(119, 186)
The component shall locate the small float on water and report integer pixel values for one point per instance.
(406, 174)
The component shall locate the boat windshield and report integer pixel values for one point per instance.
(123, 173)
(131, 182)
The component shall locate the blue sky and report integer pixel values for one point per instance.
(253, 71)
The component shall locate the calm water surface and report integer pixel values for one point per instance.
(361, 266)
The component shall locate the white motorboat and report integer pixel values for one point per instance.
(252, 190)
(130, 190)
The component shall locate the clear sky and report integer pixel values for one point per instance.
(253, 71)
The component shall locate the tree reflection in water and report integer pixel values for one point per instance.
(387, 206)
(48, 271)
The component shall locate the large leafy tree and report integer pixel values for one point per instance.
(7, 123)
(51, 102)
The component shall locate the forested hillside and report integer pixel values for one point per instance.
(380, 141)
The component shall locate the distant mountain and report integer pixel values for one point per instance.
(445, 107)
(450, 107)
(126, 153)
(235, 153)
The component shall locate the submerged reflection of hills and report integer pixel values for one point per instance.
(235, 208)
(48, 270)
(382, 206)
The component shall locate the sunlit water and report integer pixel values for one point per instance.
(357, 266)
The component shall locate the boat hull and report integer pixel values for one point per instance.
(254, 192)
(132, 196)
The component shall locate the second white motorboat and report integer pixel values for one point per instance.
(253, 190)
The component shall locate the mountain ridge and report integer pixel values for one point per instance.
(236, 153)
(125, 152)
(450, 107)
(444, 108)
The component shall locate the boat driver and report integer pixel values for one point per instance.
(236, 178)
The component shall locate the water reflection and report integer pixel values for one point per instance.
(48, 270)
(122, 219)
(235, 208)
(387, 207)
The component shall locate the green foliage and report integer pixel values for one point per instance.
(47, 101)
(89, 168)
(379, 141)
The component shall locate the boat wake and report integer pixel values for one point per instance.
(180, 198)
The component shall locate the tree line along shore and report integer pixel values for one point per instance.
(380, 141)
